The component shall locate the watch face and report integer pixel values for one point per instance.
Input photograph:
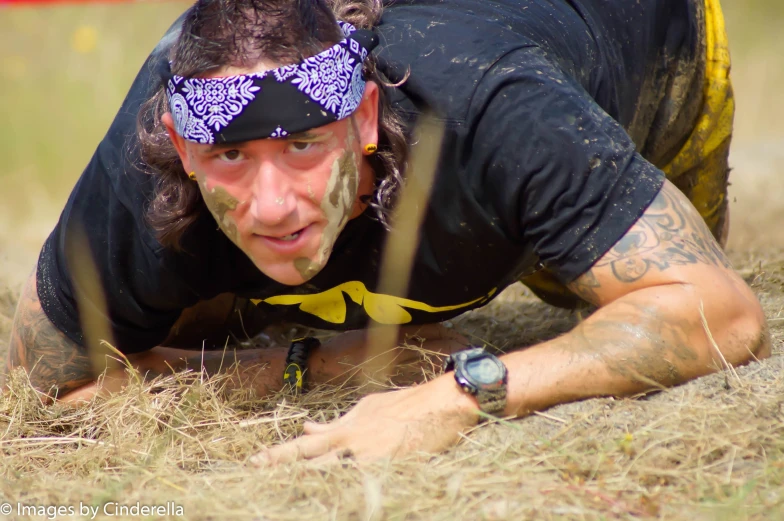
(484, 371)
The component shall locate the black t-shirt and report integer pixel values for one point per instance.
(536, 169)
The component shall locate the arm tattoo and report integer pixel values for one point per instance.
(55, 364)
(669, 233)
(585, 287)
(642, 344)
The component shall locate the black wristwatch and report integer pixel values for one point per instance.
(297, 362)
(481, 375)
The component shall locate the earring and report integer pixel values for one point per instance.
(192, 176)
(370, 149)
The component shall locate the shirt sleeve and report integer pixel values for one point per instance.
(143, 298)
(558, 170)
(144, 295)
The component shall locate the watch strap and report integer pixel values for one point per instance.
(492, 402)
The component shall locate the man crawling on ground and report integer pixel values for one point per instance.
(249, 178)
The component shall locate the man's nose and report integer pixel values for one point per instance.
(274, 198)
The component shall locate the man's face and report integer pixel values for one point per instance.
(284, 201)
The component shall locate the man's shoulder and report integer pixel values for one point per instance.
(445, 48)
(441, 51)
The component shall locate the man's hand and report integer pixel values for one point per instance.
(426, 418)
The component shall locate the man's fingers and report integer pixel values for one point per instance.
(306, 447)
(317, 428)
(328, 459)
(343, 457)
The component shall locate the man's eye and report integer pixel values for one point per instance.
(231, 156)
(300, 146)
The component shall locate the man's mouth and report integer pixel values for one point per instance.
(289, 239)
(291, 236)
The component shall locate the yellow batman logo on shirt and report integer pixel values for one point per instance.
(330, 305)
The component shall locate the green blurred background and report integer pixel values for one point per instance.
(65, 69)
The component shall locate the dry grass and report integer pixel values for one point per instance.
(711, 449)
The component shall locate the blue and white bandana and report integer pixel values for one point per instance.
(294, 98)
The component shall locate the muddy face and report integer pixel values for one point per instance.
(337, 205)
(276, 189)
(220, 202)
(284, 202)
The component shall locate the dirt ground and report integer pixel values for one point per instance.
(712, 449)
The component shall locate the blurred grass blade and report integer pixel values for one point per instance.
(91, 302)
(401, 245)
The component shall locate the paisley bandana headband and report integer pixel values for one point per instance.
(321, 89)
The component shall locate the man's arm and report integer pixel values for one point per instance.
(54, 363)
(653, 288)
(61, 369)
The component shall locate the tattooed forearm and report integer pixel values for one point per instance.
(669, 233)
(54, 364)
(636, 345)
(658, 289)
(641, 344)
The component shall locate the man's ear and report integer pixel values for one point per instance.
(366, 115)
(177, 140)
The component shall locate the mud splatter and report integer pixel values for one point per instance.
(338, 202)
(219, 202)
(337, 205)
(307, 268)
(311, 193)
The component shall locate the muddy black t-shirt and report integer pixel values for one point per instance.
(537, 169)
